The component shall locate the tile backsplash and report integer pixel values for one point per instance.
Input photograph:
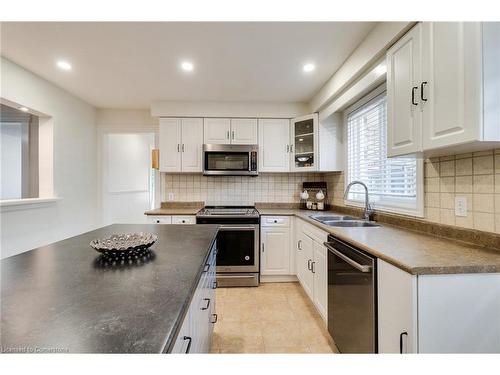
(236, 190)
(474, 176)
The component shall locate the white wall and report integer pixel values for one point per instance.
(74, 159)
(11, 137)
(228, 109)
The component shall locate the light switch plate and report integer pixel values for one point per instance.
(460, 206)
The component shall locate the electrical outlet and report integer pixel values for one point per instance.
(170, 196)
(460, 206)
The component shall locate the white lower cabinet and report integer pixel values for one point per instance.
(312, 267)
(195, 335)
(275, 251)
(172, 219)
(457, 313)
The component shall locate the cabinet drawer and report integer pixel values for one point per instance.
(160, 219)
(183, 219)
(275, 221)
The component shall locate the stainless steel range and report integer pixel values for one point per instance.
(237, 243)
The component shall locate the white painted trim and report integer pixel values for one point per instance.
(26, 203)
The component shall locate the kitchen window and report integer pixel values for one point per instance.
(394, 184)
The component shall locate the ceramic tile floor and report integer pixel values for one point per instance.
(272, 318)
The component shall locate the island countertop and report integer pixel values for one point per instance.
(62, 298)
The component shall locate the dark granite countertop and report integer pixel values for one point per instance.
(60, 298)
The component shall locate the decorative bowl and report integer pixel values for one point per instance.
(124, 243)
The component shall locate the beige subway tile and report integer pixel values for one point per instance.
(465, 221)
(432, 200)
(463, 167)
(482, 164)
(447, 216)
(484, 221)
(432, 185)
(497, 163)
(431, 169)
(447, 168)
(447, 184)
(484, 203)
(497, 203)
(483, 153)
(447, 200)
(483, 184)
(463, 184)
(497, 223)
(497, 183)
(463, 156)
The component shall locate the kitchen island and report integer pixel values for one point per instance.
(65, 297)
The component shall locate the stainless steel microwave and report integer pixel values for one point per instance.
(230, 160)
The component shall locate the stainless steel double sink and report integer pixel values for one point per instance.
(343, 221)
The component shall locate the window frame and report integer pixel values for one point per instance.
(390, 206)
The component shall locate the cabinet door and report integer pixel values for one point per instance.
(304, 260)
(170, 144)
(217, 131)
(397, 309)
(274, 145)
(319, 270)
(304, 142)
(192, 144)
(275, 251)
(183, 341)
(244, 131)
(451, 83)
(404, 118)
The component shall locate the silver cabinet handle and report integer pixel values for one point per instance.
(299, 245)
(227, 134)
(189, 343)
(401, 341)
(313, 270)
(232, 134)
(262, 246)
(215, 318)
(291, 148)
(309, 264)
(360, 267)
(183, 147)
(178, 147)
(287, 148)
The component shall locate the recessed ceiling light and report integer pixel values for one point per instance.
(380, 69)
(187, 66)
(309, 67)
(24, 109)
(64, 65)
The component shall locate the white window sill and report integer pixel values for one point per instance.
(27, 203)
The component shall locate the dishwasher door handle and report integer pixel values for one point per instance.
(360, 267)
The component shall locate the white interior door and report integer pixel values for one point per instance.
(128, 177)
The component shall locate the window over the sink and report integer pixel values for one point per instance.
(395, 184)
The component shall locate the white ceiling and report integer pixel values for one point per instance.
(129, 65)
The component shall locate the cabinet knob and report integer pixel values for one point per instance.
(158, 221)
(413, 95)
(275, 221)
(422, 85)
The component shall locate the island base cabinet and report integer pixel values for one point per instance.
(195, 335)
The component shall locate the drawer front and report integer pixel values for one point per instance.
(160, 219)
(275, 221)
(183, 219)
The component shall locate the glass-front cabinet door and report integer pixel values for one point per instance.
(305, 143)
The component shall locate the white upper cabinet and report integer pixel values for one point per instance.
(192, 144)
(274, 145)
(304, 143)
(181, 142)
(444, 89)
(404, 116)
(217, 131)
(244, 131)
(225, 131)
(170, 144)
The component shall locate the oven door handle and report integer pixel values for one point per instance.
(222, 227)
(360, 267)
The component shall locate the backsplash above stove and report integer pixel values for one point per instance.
(235, 190)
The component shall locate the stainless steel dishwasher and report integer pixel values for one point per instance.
(352, 298)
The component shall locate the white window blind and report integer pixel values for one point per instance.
(391, 182)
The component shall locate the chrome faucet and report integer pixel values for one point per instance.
(368, 208)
